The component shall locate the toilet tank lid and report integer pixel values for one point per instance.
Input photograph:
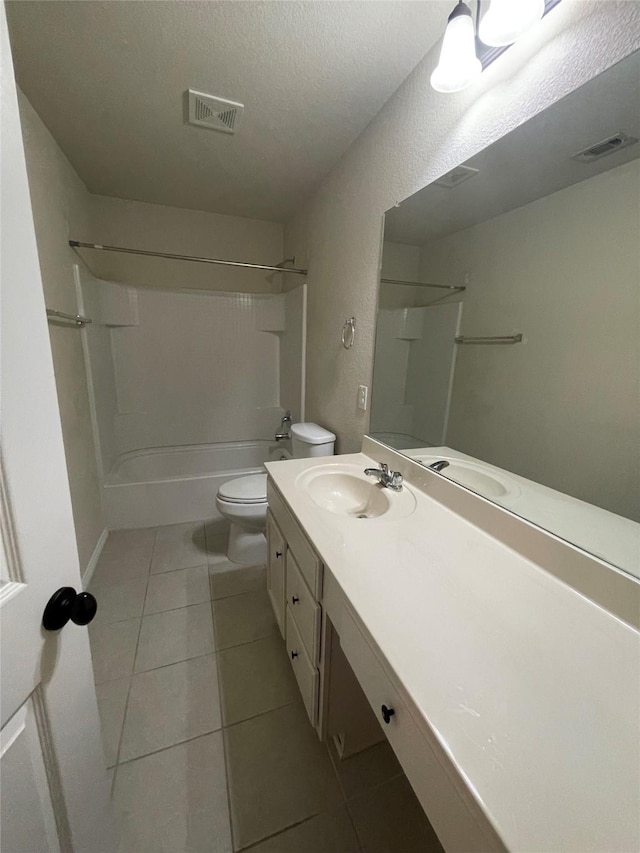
(312, 434)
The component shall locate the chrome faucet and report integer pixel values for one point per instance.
(283, 433)
(438, 466)
(389, 479)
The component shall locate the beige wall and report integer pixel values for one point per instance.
(417, 136)
(61, 209)
(154, 227)
(562, 407)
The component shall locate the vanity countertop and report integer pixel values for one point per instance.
(532, 689)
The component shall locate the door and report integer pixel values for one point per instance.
(54, 784)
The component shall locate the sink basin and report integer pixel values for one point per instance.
(346, 491)
(472, 476)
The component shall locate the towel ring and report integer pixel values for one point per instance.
(349, 333)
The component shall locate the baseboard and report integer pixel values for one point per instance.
(93, 561)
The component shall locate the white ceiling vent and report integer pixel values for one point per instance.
(214, 113)
(456, 176)
(604, 147)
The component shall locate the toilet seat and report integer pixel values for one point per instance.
(245, 490)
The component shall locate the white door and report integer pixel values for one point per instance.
(54, 792)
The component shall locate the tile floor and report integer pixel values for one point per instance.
(206, 740)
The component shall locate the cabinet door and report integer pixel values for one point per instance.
(275, 570)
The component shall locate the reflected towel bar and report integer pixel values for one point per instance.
(458, 288)
(76, 244)
(76, 319)
(496, 339)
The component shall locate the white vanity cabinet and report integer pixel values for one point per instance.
(294, 582)
(276, 551)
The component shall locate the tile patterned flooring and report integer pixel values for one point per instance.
(205, 737)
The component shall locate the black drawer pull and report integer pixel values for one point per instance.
(294, 599)
(387, 713)
(278, 555)
(294, 655)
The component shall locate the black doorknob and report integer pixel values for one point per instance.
(387, 713)
(66, 604)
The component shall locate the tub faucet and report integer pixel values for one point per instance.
(438, 466)
(389, 479)
(283, 432)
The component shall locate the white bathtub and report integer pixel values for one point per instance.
(166, 485)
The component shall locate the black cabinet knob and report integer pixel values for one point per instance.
(278, 554)
(387, 713)
(294, 599)
(66, 604)
(294, 655)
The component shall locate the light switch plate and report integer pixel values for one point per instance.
(363, 397)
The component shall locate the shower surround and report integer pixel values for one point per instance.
(185, 390)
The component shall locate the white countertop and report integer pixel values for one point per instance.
(532, 689)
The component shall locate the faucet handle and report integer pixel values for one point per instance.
(395, 480)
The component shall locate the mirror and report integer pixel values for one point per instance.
(508, 339)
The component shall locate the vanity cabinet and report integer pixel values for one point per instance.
(276, 556)
(294, 582)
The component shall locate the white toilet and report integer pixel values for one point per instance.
(243, 501)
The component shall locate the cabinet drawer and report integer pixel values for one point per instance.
(306, 674)
(276, 548)
(308, 561)
(304, 608)
(451, 812)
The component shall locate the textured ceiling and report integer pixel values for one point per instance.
(108, 79)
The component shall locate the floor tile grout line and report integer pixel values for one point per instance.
(135, 654)
(273, 835)
(335, 770)
(222, 723)
(169, 746)
(259, 714)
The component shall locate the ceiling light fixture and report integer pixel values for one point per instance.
(506, 20)
(464, 54)
(459, 64)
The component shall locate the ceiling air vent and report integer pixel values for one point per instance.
(214, 113)
(456, 176)
(606, 146)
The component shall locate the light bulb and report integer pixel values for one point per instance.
(458, 65)
(506, 20)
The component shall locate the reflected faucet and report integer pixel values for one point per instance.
(438, 466)
(283, 432)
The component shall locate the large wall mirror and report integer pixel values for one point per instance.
(508, 335)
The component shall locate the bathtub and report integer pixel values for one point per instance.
(166, 485)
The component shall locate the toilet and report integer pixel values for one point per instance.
(243, 501)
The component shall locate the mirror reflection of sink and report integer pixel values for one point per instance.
(472, 476)
(345, 490)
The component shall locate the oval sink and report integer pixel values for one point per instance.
(344, 490)
(472, 476)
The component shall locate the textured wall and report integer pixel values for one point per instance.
(60, 207)
(155, 227)
(417, 136)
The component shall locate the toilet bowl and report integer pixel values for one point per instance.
(243, 502)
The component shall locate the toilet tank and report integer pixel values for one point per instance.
(311, 440)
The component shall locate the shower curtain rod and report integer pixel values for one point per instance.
(77, 244)
(457, 287)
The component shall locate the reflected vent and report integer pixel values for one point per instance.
(607, 146)
(214, 113)
(456, 176)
